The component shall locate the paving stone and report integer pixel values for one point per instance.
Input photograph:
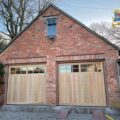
(63, 114)
(98, 115)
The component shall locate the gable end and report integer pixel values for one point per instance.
(78, 22)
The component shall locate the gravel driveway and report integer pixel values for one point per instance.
(40, 116)
(42, 113)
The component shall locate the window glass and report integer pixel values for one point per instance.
(91, 68)
(31, 70)
(27, 70)
(36, 69)
(62, 68)
(51, 26)
(87, 68)
(51, 21)
(98, 67)
(75, 68)
(17, 70)
(83, 68)
(65, 68)
(23, 70)
(12, 71)
(39, 70)
(52, 30)
(69, 68)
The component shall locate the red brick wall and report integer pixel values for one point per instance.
(73, 43)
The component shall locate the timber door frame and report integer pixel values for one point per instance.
(24, 65)
(81, 62)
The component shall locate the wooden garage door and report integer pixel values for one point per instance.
(27, 85)
(82, 84)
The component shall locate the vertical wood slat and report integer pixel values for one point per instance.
(82, 88)
(26, 89)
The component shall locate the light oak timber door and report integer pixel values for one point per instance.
(82, 84)
(27, 84)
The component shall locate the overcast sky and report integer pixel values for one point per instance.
(88, 11)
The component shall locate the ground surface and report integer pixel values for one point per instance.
(39, 116)
(44, 113)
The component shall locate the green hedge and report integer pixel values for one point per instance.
(2, 72)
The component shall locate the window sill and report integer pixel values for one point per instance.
(51, 37)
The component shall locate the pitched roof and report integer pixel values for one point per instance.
(81, 24)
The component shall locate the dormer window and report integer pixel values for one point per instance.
(51, 27)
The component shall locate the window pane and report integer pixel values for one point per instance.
(75, 68)
(84, 68)
(84, 65)
(51, 21)
(91, 68)
(62, 68)
(30, 70)
(65, 68)
(23, 70)
(69, 68)
(35, 69)
(88, 68)
(12, 71)
(51, 27)
(52, 30)
(98, 67)
(17, 70)
(54, 21)
(39, 70)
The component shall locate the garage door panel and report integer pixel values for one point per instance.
(76, 90)
(37, 92)
(100, 89)
(10, 89)
(23, 89)
(17, 89)
(83, 85)
(87, 87)
(26, 86)
(63, 88)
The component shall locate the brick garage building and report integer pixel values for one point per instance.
(58, 60)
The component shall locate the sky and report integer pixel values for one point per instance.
(89, 11)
